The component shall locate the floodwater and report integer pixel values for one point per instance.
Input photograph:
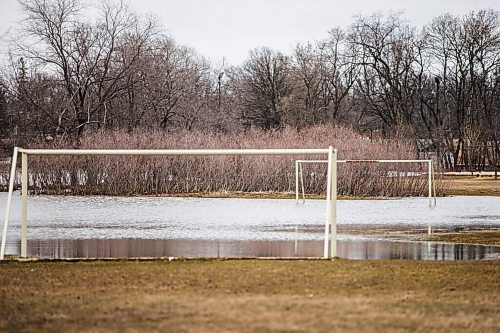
(96, 226)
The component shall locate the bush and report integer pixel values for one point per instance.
(137, 175)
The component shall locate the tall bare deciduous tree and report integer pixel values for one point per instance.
(386, 85)
(465, 54)
(264, 86)
(85, 57)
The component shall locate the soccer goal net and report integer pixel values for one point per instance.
(330, 235)
(300, 192)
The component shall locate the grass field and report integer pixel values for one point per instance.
(250, 296)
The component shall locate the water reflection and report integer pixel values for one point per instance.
(347, 248)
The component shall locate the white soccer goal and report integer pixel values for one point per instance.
(299, 177)
(331, 195)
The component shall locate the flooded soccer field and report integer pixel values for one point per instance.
(98, 226)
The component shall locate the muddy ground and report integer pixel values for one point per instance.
(250, 296)
(484, 237)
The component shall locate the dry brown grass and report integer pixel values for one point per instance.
(471, 185)
(250, 296)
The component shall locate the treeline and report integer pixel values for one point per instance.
(438, 85)
(129, 175)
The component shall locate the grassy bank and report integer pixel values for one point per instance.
(250, 296)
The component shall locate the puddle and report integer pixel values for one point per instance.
(96, 226)
(351, 248)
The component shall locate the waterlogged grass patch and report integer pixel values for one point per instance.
(486, 237)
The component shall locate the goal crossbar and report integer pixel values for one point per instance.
(174, 152)
(331, 195)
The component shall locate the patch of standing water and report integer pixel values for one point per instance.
(58, 219)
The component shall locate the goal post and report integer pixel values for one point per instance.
(331, 197)
(299, 176)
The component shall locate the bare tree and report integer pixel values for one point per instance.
(465, 56)
(83, 56)
(265, 84)
(340, 66)
(177, 84)
(304, 106)
(388, 57)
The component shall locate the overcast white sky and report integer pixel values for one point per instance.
(230, 28)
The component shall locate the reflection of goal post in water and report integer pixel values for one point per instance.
(299, 176)
(331, 195)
